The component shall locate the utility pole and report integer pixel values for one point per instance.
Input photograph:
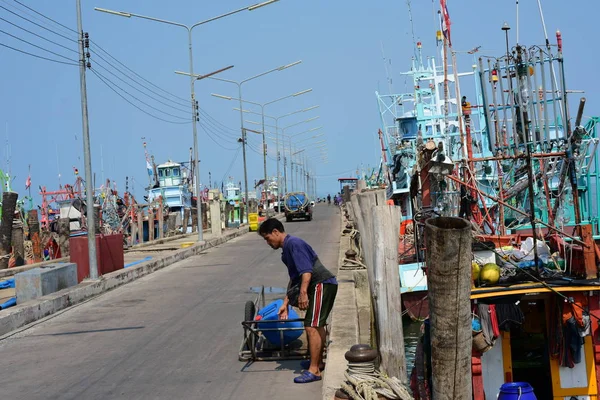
(84, 43)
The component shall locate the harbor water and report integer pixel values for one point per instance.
(412, 333)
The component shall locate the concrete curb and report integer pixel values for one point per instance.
(344, 331)
(21, 315)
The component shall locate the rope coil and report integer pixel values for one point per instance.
(364, 382)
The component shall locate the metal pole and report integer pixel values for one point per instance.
(243, 145)
(265, 185)
(278, 177)
(195, 130)
(87, 157)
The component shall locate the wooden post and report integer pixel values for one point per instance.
(18, 244)
(64, 231)
(132, 231)
(186, 219)
(150, 225)
(9, 204)
(386, 229)
(34, 235)
(161, 221)
(172, 224)
(449, 254)
(97, 218)
(205, 216)
(215, 217)
(361, 185)
(194, 220)
(140, 226)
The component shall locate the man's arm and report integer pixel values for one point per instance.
(303, 297)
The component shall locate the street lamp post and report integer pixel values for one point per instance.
(192, 80)
(276, 126)
(239, 85)
(262, 113)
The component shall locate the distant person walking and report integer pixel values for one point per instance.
(312, 287)
(329, 199)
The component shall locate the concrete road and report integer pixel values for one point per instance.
(174, 334)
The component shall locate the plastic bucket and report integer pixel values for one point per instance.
(516, 391)
(269, 313)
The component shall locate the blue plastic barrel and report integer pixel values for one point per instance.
(269, 313)
(516, 391)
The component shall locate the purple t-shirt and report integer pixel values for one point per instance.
(299, 258)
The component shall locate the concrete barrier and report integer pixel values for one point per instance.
(44, 280)
(31, 311)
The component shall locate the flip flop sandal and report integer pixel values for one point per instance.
(307, 377)
(305, 364)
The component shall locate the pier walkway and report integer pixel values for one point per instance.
(174, 333)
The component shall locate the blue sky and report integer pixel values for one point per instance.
(339, 43)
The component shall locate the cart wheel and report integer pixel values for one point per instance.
(249, 313)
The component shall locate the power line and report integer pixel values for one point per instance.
(40, 36)
(41, 26)
(48, 18)
(141, 101)
(232, 162)
(135, 88)
(213, 139)
(186, 102)
(35, 45)
(131, 103)
(37, 56)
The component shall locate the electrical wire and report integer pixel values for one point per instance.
(38, 56)
(143, 102)
(139, 90)
(41, 26)
(210, 136)
(174, 104)
(42, 15)
(182, 101)
(99, 76)
(40, 36)
(36, 46)
(231, 164)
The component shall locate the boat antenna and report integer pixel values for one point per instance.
(543, 23)
(517, 21)
(412, 29)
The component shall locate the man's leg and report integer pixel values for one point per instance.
(320, 303)
(315, 347)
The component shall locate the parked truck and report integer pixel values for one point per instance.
(297, 205)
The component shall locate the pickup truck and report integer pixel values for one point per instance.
(297, 205)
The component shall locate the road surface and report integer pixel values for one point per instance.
(174, 334)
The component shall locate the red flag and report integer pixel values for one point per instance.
(28, 182)
(446, 21)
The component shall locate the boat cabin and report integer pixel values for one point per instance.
(170, 174)
(545, 335)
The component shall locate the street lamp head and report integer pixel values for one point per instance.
(259, 5)
(310, 108)
(302, 92)
(119, 13)
(315, 129)
(289, 65)
(221, 96)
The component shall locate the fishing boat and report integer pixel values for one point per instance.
(172, 187)
(509, 159)
(233, 199)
